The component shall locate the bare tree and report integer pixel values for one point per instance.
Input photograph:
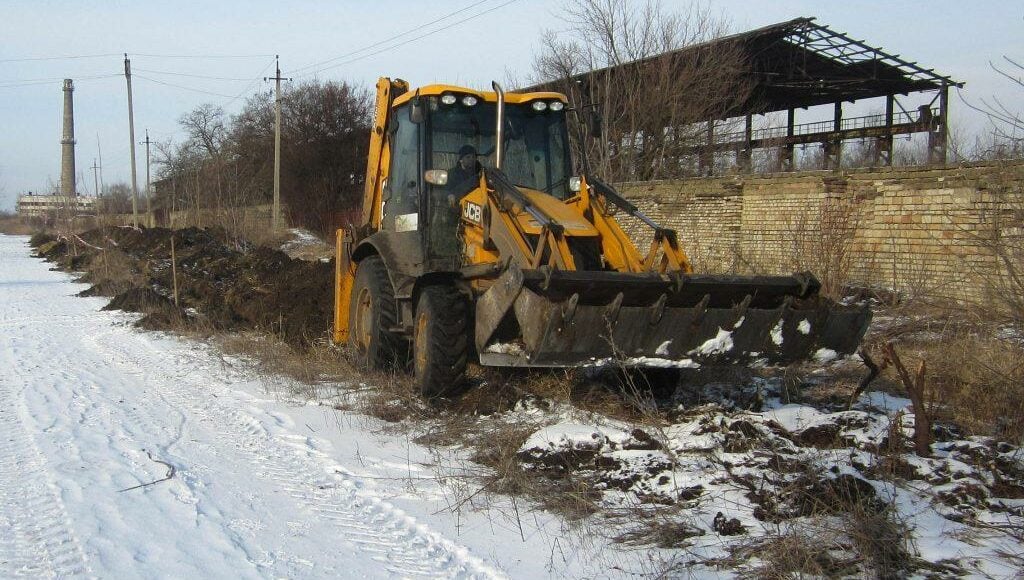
(1006, 122)
(227, 163)
(653, 98)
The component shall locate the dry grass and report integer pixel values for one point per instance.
(976, 380)
(111, 272)
(860, 542)
(16, 226)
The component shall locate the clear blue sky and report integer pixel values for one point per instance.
(956, 38)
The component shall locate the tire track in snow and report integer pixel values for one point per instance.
(325, 491)
(36, 539)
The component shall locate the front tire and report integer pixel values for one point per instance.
(371, 313)
(440, 341)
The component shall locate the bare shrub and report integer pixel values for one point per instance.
(1001, 238)
(226, 163)
(821, 241)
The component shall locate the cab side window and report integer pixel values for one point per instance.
(403, 185)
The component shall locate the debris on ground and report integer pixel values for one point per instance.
(731, 475)
(222, 284)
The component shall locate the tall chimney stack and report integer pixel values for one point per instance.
(67, 144)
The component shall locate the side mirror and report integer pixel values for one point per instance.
(596, 129)
(436, 177)
(416, 111)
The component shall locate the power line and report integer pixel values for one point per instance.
(231, 98)
(182, 87)
(201, 55)
(415, 38)
(34, 82)
(250, 85)
(64, 57)
(51, 79)
(399, 35)
(195, 76)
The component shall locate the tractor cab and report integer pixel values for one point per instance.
(442, 140)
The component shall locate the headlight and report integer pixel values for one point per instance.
(469, 100)
(557, 106)
(448, 99)
(539, 106)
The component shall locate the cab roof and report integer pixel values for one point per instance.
(487, 96)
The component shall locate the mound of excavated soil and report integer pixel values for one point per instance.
(228, 284)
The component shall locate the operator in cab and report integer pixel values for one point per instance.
(465, 176)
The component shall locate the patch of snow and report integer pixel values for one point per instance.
(739, 322)
(300, 238)
(644, 361)
(1010, 333)
(720, 344)
(662, 350)
(777, 333)
(510, 348)
(824, 355)
(884, 401)
(804, 327)
(573, 436)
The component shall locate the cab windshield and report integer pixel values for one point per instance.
(536, 145)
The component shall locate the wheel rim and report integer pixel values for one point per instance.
(363, 320)
(419, 343)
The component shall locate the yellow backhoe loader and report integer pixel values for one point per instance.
(478, 243)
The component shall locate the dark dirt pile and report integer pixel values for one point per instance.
(223, 284)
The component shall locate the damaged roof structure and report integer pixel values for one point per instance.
(795, 65)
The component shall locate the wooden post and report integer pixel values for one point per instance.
(174, 271)
(915, 388)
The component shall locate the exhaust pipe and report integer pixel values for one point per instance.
(499, 148)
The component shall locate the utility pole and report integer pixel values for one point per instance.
(131, 131)
(149, 185)
(99, 152)
(96, 177)
(276, 216)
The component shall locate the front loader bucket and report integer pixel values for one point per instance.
(555, 318)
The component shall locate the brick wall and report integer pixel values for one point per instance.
(914, 230)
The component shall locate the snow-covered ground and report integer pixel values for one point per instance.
(92, 409)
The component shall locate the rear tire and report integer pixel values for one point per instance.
(440, 341)
(371, 313)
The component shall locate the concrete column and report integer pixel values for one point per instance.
(67, 143)
(789, 153)
(885, 144)
(747, 153)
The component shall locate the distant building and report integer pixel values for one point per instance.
(52, 205)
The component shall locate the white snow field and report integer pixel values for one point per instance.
(262, 486)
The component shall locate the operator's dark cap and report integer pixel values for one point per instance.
(466, 150)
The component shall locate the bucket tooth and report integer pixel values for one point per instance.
(741, 309)
(612, 312)
(701, 310)
(569, 309)
(658, 309)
